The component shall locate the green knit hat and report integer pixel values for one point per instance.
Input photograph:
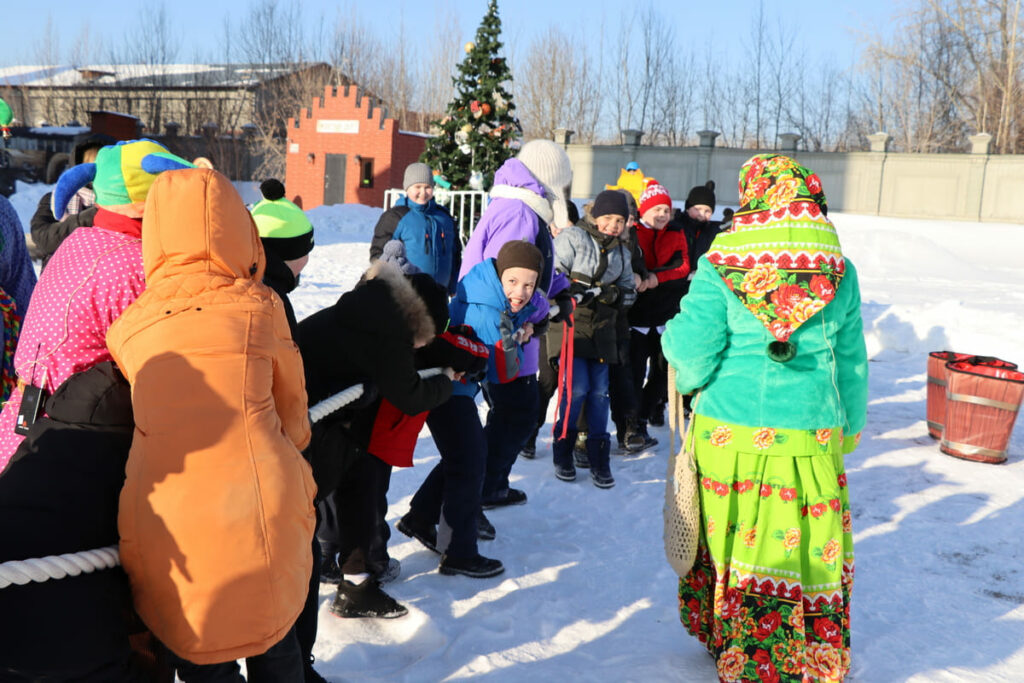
(283, 226)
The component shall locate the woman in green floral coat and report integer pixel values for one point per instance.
(770, 336)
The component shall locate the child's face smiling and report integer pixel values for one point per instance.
(610, 224)
(518, 284)
(657, 217)
(421, 193)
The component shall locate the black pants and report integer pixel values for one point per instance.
(354, 515)
(450, 495)
(306, 624)
(648, 363)
(509, 423)
(282, 662)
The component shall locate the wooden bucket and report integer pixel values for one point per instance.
(936, 406)
(982, 402)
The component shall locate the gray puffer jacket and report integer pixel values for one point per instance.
(594, 260)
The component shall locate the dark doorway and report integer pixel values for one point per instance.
(334, 178)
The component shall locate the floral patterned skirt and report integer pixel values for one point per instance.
(769, 593)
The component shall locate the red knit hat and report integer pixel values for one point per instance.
(653, 195)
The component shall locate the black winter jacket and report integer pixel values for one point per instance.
(699, 236)
(367, 337)
(48, 232)
(59, 494)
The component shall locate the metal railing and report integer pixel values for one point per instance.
(465, 206)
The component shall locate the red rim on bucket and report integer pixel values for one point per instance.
(983, 397)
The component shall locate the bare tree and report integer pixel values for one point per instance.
(954, 67)
(557, 87)
(436, 78)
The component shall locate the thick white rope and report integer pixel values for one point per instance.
(42, 569)
(346, 396)
(21, 572)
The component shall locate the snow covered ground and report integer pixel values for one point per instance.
(587, 594)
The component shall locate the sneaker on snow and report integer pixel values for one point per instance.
(330, 572)
(511, 497)
(478, 567)
(485, 531)
(365, 600)
(602, 480)
(391, 573)
(424, 533)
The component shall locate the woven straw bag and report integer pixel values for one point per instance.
(682, 500)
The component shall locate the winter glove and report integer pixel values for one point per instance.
(457, 348)
(581, 293)
(610, 295)
(506, 351)
(565, 304)
(394, 252)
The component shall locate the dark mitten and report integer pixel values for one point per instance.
(540, 328)
(581, 293)
(565, 304)
(457, 348)
(610, 295)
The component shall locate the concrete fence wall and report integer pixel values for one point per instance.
(974, 187)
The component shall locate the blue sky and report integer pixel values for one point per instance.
(825, 29)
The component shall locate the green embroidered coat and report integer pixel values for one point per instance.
(716, 345)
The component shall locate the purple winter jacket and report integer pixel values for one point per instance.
(505, 220)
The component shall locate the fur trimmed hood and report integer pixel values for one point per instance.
(411, 305)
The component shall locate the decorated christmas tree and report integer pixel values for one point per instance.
(479, 131)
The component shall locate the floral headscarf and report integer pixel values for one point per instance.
(781, 257)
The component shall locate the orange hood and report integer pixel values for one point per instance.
(220, 248)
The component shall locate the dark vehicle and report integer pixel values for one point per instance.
(42, 153)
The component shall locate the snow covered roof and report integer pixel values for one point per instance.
(146, 75)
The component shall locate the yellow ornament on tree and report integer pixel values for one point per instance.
(467, 128)
(470, 46)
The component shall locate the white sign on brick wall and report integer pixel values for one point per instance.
(293, 148)
(350, 126)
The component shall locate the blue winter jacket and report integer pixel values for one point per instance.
(428, 233)
(480, 302)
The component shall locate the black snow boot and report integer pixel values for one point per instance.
(424, 533)
(562, 455)
(600, 467)
(365, 600)
(637, 438)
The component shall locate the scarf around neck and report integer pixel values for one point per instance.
(540, 205)
(781, 258)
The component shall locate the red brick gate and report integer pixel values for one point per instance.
(344, 149)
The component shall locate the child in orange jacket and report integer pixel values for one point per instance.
(216, 516)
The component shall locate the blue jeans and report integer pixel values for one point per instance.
(590, 389)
